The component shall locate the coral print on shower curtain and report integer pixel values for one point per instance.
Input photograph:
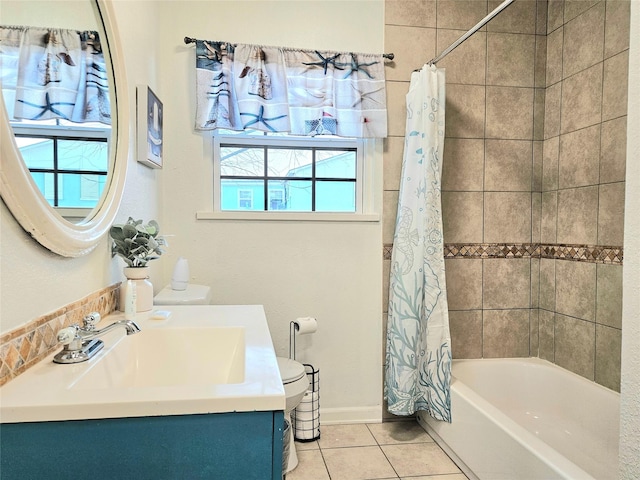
(418, 367)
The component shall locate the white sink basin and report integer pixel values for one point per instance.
(170, 357)
(202, 359)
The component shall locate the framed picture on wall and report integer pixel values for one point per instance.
(149, 111)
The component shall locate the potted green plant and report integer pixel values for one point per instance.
(137, 244)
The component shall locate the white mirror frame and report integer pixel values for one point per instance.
(22, 196)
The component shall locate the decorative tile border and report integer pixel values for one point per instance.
(25, 346)
(576, 253)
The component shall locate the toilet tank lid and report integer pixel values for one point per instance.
(193, 295)
(290, 370)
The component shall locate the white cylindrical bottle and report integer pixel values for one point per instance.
(130, 300)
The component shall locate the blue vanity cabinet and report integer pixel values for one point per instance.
(220, 446)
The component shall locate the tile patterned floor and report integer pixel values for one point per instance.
(376, 451)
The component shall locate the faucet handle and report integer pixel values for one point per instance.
(67, 335)
(89, 321)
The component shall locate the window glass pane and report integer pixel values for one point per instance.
(289, 162)
(36, 152)
(83, 155)
(335, 196)
(241, 161)
(297, 194)
(335, 164)
(240, 194)
(79, 191)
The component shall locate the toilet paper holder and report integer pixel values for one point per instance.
(305, 418)
(303, 326)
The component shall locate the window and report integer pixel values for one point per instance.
(275, 172)
(69, 166)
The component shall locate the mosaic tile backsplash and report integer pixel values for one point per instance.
(25, 346)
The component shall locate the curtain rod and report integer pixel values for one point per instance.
(473, 30)
(389, 56)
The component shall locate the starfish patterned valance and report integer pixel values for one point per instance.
(54, 73)
(301, 92)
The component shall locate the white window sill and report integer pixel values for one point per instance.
(289, 216)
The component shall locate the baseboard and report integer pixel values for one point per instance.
(332, 416)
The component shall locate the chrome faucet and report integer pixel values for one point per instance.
(82, 343)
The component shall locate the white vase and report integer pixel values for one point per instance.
(144, 288)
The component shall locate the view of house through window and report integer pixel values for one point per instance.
(69, 166)
(281, 173)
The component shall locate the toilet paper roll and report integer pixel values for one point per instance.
(306, 325)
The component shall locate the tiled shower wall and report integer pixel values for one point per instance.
(534, 164)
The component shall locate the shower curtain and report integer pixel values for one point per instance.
(418, 353)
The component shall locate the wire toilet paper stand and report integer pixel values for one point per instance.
(305, 418)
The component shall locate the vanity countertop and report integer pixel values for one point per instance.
(50, 391)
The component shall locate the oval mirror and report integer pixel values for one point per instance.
(71, 236)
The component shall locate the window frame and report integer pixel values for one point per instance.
(363, 182)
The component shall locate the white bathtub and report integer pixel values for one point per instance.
(528, 419)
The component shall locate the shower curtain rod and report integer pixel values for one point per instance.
(473, 30)
(388, 56)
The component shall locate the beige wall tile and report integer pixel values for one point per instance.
(466, 64)
(550, 159)
(541, 18)
(412, 46)
(554, 56)
(393, 148)
(519, 17)
(579, 161)
(575, 345)
(581, 99)
(465, 111)
(611, 214)
(416, 13)
(609, 296)
(464, 283)
(386, 272)
(460, 14)
(538, 113)
(466, 333)
(548, 224)
(608, 354)
(505, 333)
(548, 284)
(616, 29)
(506, 283)
(389, 211)
(508, 165)
(463, 164)
(536, 179)
(510, 59)
(396, 107)
(615, 84)
(573, 8)
(547, 321)
(534, 335)
(509, 113)
(613, 150)
(541, 61)
(555, 14)
(583, 40)
(507, 217)
(536, 216)
(535, 283)
(576, 289)
(462, 217)
(578, 216)
(552, 102)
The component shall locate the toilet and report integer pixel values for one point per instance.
(295, 382)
